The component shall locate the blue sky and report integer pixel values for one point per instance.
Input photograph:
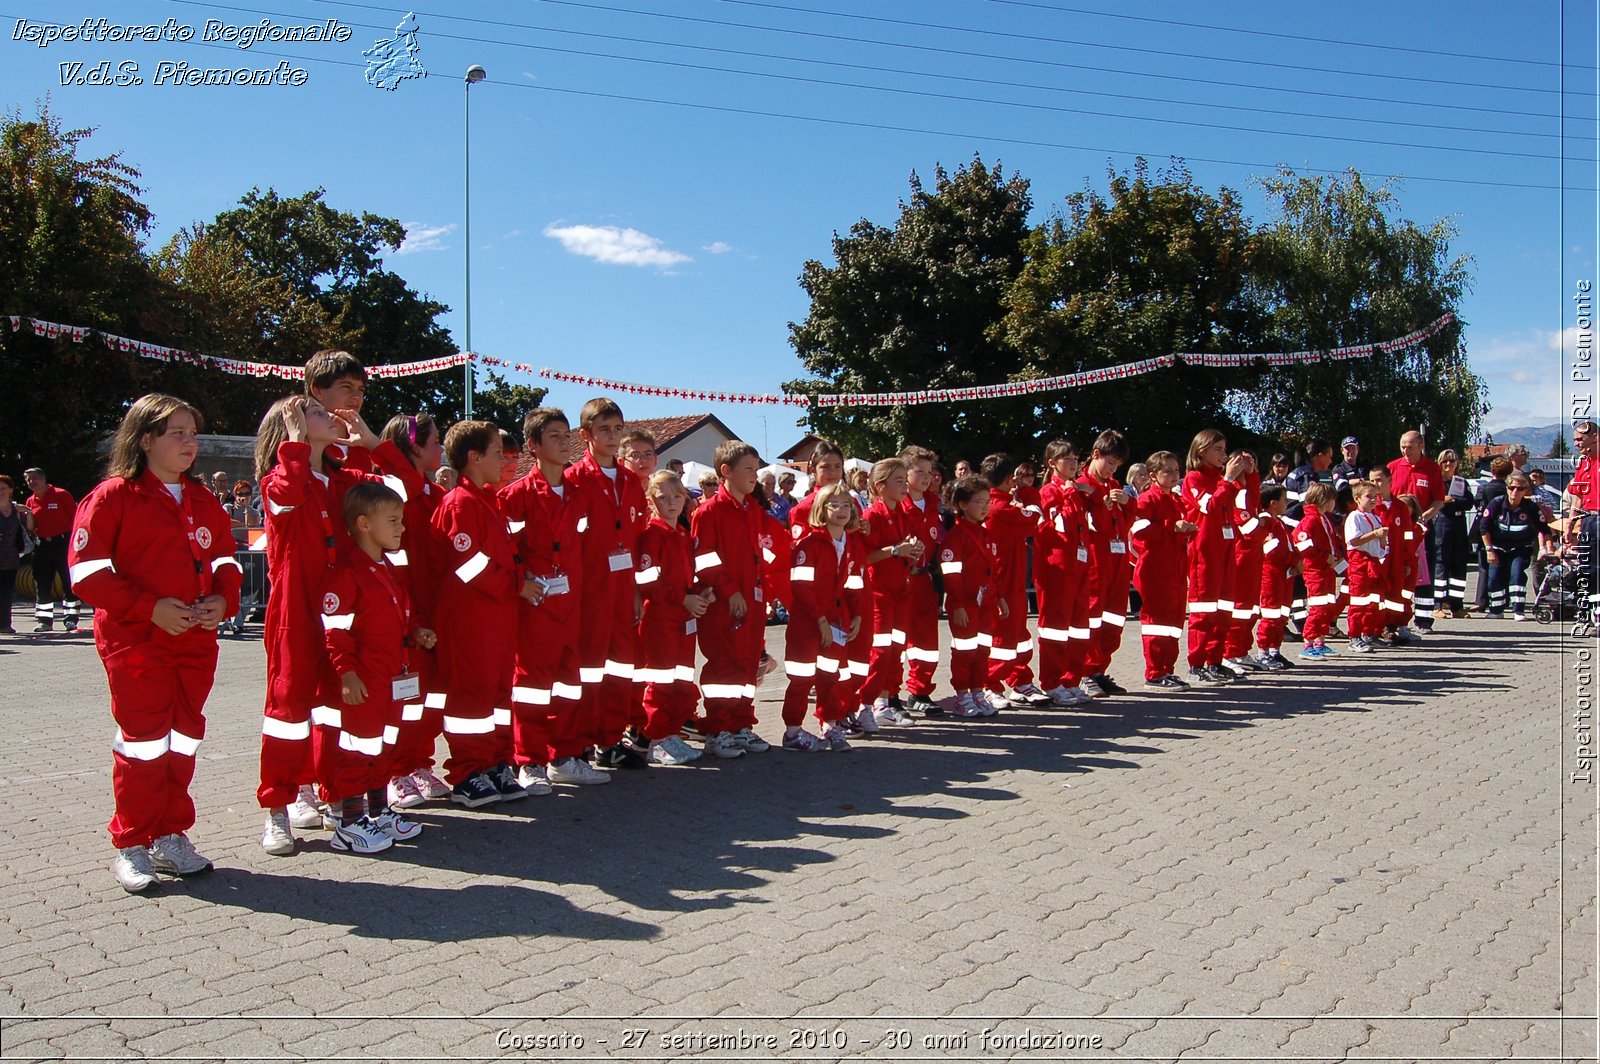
(649, 176)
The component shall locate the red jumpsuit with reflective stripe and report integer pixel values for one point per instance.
(134, 544)
(1009, 525)
(727, 559)
(1160, 575)
(1366, 574)
(547, 721)
(967, 561)
(924, 521)
(1061, 573)
(611, 514)
(1400, 568)
(890, 582)
(1209, 503)
(1109, 579)
(1246, 585)
(1314, 543)
(817, 583)
(1277, 580)
(666, 633)
(367, 623)
(475, 619)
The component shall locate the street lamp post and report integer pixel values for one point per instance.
(475, 74)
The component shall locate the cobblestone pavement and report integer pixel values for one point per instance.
(1378, 858)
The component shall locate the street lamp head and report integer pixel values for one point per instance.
(475, 74)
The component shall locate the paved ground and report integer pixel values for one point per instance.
(1376, 858)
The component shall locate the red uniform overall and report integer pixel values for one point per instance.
(1366, 574)
(1009, 525)
(135, 544)
(857, 652)
(1061, 573)
(1277, 580)
(1109, 572)
(367, 623)
(612, 513)
(475, 620)
(418, 561)
(727, 559)
(1246, 596)
(890, 582)
(547, 722)
(1160, 574)
(1209, 502)
(817, 580)
(924, 521)
(967, 561)
(667, 632)
(306, 535)
(1313, 542)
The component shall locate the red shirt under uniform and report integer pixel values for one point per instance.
(1422, 478)
(53, 512)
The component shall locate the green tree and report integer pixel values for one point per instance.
(1558, 446)
(1340, 267)
(1154, 266)
(914, 306)
(506, 404)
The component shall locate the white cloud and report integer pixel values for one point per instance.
(613, 244)
(511, 234)
(421, 237)
(1524, 373)
(718, 247)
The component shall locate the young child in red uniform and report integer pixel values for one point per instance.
(826, 468)
(892, 548)
(548, 727)
(821, 623)
(475, 620)
(1313, 541)
(410, 454)
(1010, 524)
(727, 559)
(1238, 640)
(1108, 507)
(1366, 539)
(1210, 497)
(1061, 574)
(153, 554)
(369, 629)
(672, 612)
(1396, 516)
(926, 523)
(967, 561)
(611, 508)
(1278, 566)
(1161, 534)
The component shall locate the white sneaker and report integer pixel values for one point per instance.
(723, 745)
(431, 786)
(360, 836)
(672, 751)
(750, 742)
(397, 826)
(404, 793)
(306, 811)
(867, 719)
(1030, 694)
(276, 838)
(1234, 668)
(1067, 696)
(134, 870)
(991, 702)
(176, 854)
(967, 708)
(575, 770)
(1519, 617)
(532, 779)
(891, 716)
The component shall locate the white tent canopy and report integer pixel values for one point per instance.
(692, 472)
(852, 464)
(802, 482)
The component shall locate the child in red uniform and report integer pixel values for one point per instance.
(967, 561)
(1248, 532)
(821, 624)
(1108, 507)
(892, 548)
(826, 467)
(410, 454)
(1010, 524)
(1313, 541)
(1161, 541)
(1396, 516)
(611, 509)
(475, 620)
(1210, 497)
(727, 559)
(549, 728)
(1278, 565)
(926, 523)
(368, 629)
(1366, 539)
(1061, 574)
(153, 553)
(672, 612)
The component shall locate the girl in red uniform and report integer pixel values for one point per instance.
(1061, 573)
(1248, 533)
(826, 468)
(1278, 565)
(892, 548)
(967, 560)
(1210, 490)
(153, 553)
(821, 624)
(923, 520)
(1314, 542)
(1161, 540)
(672, 611)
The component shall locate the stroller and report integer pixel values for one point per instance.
(1559, 598)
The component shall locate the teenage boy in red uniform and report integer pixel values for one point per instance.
(1110, 566)
(1160, 535)
(921, 509)
(1010, 524)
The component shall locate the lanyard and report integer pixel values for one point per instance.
(384, 573)
(330, 544)
(186, 513)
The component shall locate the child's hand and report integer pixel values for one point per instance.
(532, 590)
(294, 419)
(1238, 466)
(638, 608)
(356, 429)
(1005, 609)
(827, 632)
(1117, 497)
(912, 547)
(1188, 528)
(695, 604)
(209, 612)
(172, 616)
(958, 617)
(736, 604)
(353, 690)
(426, 638)
(855, 630)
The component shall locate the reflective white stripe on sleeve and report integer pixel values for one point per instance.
(411, 712)
(949, 568)
(469, 570)
(1114, 618)
(802, 669)
(1139, 526)
(828, 665)
(274, 509)
(1205, 504)
(288, 730)
(327, 717)
(1326, 600)
(223, 563)
(570, 691)
(371, 746)
(1250, 526)
(583, 524)
(84, 569)
(802, 573)
(397, 558)
(391, 735)
(514, 527)
(620, 669)
(1002, 653)
(396, 485)
(468, 725)
(591, 675)
(1270, 544)
(1303, 544)
(648, 576)
(1025, 647)
(1201, 607)
(149, 750)
(767, 556)
(722, 690)
(180, 743)
(433, 700)
(502, 717)
(1165, 630)
(854, 583)
(882, 639)
(341, 621)
(707, 560)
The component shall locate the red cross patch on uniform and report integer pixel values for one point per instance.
(799, 557)
(644, 561)
(330, 603)
(202, 536)
(80, 539)
(948, 555)
(462, 542)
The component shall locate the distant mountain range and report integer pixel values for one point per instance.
(1536, 439)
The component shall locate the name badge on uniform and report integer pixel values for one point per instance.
(839, 635)
(981, 592)
(406, 688)
(758, 596)
(1118, 547)
(1340, 566)
(621, 560)
(691, 626)
(1083, 554)
(1227, 533)
(555, 585)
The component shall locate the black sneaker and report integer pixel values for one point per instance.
(1202, 677)
(896, 704)
(1110, 686)
(1218, 674)
(924, 705)
(621, 755)
(474, 791)
(503, 778)
(1166, 684)
(1277, 655)
(1268, 662)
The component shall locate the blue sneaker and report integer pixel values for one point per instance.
(1326, 652)
(1311, 652)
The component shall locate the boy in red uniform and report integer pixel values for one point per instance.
(1366, 538)
(1108, 507)
(369, 629)
(1314, 542)
(727, 538)
(1061, 574)
(926, 523)
(611, 510)
(1161, 541)
(53, 512)
(1399, 563)
(153, 553)
(475, 621)
(1238, 640)
(1010, 524)
(1278, 565)
(967, 561)
(672, 612)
